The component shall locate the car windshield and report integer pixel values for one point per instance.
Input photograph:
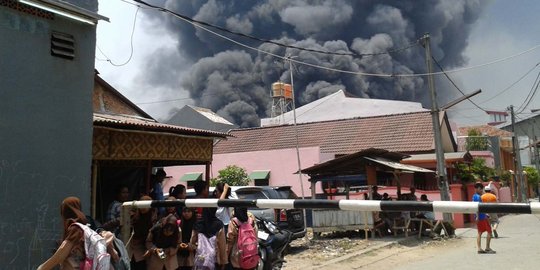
(250, 194)
(287, 194)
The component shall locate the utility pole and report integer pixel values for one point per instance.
(297, 140)
(439, 151)
(517, 159)
(535, 143)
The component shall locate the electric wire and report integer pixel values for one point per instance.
(380, 75)
(406, 47)
(530, 96)
(455, 85)
(187, 19)
(511, 85)
(131, 44)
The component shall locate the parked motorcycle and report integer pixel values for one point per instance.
(272, 243)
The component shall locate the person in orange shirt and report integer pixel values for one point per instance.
(489, 197)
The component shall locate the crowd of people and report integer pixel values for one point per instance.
(162, 238)
(386, 222)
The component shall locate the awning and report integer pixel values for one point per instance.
(399, 166)
(448, 157)
(197, 176)
(260, 175)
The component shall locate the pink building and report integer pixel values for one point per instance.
(270, 152)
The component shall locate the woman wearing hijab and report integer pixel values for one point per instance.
(142, 220)
(241, 215)
(70, 254)
(186, 249)
(162, 244)
(211, 226)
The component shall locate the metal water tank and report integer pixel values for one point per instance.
(280, 89)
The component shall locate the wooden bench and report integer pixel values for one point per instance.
(430, 224)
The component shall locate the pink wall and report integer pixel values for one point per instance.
(282, 164)
(486, 155)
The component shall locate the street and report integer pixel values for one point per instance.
(517, 248)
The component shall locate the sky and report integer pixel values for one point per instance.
(155, 67)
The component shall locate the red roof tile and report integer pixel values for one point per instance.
(485, 130)
(408, 133)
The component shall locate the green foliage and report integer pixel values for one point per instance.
(232, 175)
(475, 141)
(477, 170)
(532, 176)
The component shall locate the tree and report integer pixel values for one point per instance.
(476, 141)
(532, 176)
(232, 175)
(477, 169)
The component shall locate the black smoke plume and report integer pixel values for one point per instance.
(235, 82)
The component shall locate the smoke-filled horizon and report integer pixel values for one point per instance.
(235, 82)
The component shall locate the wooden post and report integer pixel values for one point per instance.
(313, 188)
(371, 172)
(148, 176)
(207, 173)
(125, 223)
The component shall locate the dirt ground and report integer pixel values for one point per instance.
(351, 251)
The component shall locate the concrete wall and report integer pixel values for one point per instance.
(281, 163)
(45, 133)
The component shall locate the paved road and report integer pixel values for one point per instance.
(518, 247)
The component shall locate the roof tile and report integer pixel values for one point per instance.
(408, 132)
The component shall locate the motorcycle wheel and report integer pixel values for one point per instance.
(260, 265)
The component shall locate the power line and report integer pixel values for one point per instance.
(199, 25)
(408, 46)
(511, 85)
(454, 84)
(131, 43)
(380, 75)
(530, 96)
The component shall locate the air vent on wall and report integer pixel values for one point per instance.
(62, 45)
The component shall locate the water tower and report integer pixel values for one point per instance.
(281, 102)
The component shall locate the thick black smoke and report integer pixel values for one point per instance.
(235, 82)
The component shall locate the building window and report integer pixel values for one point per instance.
(262, 182)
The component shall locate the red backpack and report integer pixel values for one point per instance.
(247, 244)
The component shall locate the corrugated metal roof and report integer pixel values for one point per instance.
(398, 166)
(212, 116)
(457, 156)
(139, 123)
(338, 106)
(407, 133)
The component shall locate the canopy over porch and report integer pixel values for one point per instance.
(361, 165)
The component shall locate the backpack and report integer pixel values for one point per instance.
(95, 250)
(205, 256)
(124, 262)
(247, 244)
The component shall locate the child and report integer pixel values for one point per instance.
(186, 250)
(162, 244)
(171, 210)
(240, 216)
(210, 226)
